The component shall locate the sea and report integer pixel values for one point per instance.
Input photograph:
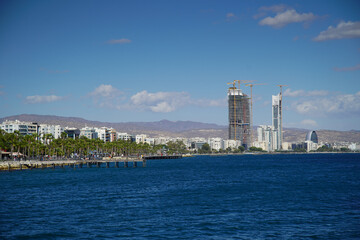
(279, 196)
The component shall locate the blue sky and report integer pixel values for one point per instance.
(120, 61)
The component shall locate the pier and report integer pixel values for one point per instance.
(163, 157)
(106, 162)
(52, 164)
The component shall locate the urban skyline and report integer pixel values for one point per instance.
(266, 139)
(143, 61)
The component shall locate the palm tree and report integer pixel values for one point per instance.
(3, 142)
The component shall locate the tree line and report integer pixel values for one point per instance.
(35, 146)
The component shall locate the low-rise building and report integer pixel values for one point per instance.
(125, 137)
(150, 141)
(54, 130)
(72, 132)
(104, 134)
(161, 140)
(216, 143)
(24, 128)
(113, 135)
(140, 138)
(232, 144)
(89, 132)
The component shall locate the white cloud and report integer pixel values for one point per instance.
(170, 101)
(42, 99)
(106, 95)
(230, 17)
(162, 107)
(160, 101)
(275, 9)
(105, 91)
(289, 16)
(302, 93)
(335, 104)
(342, 30)
(309, 122)
(289, 93)
(317, 93)
(347, 69)
(119, 41)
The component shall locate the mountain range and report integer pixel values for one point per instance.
(186, 129)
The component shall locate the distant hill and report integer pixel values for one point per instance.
(163, 125)
(186, 129)
(330, 136)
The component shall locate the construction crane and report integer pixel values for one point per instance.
(281, 88)
(280, 111)
(243, 81)
(251, 107)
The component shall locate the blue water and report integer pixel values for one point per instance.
(313, 196)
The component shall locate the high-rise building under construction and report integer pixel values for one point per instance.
(277, 120)
(239, 116)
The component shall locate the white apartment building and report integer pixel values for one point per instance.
(89, 132)
(233, 144)
(216, 143)
(196, 143)
(54, 130)
(267, 138)
(140, 138)
(162, 140)
(124, 136)
(150, 141)
(104, 133)
(25, 128)
(311, 146)
(354, 147)
(286, 146)
(263, 145)
(183, 140)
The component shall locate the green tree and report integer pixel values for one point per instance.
(176, 147)
(241, 148)
(205, 148)
(255, 149)
(344, 149)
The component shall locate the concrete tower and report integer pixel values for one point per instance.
(277, 120)
(239, 116)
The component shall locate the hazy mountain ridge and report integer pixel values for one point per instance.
(163, 125)
(185, 129)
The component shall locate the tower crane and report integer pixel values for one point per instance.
(243, 81)
(251, 104)
(281, 87)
